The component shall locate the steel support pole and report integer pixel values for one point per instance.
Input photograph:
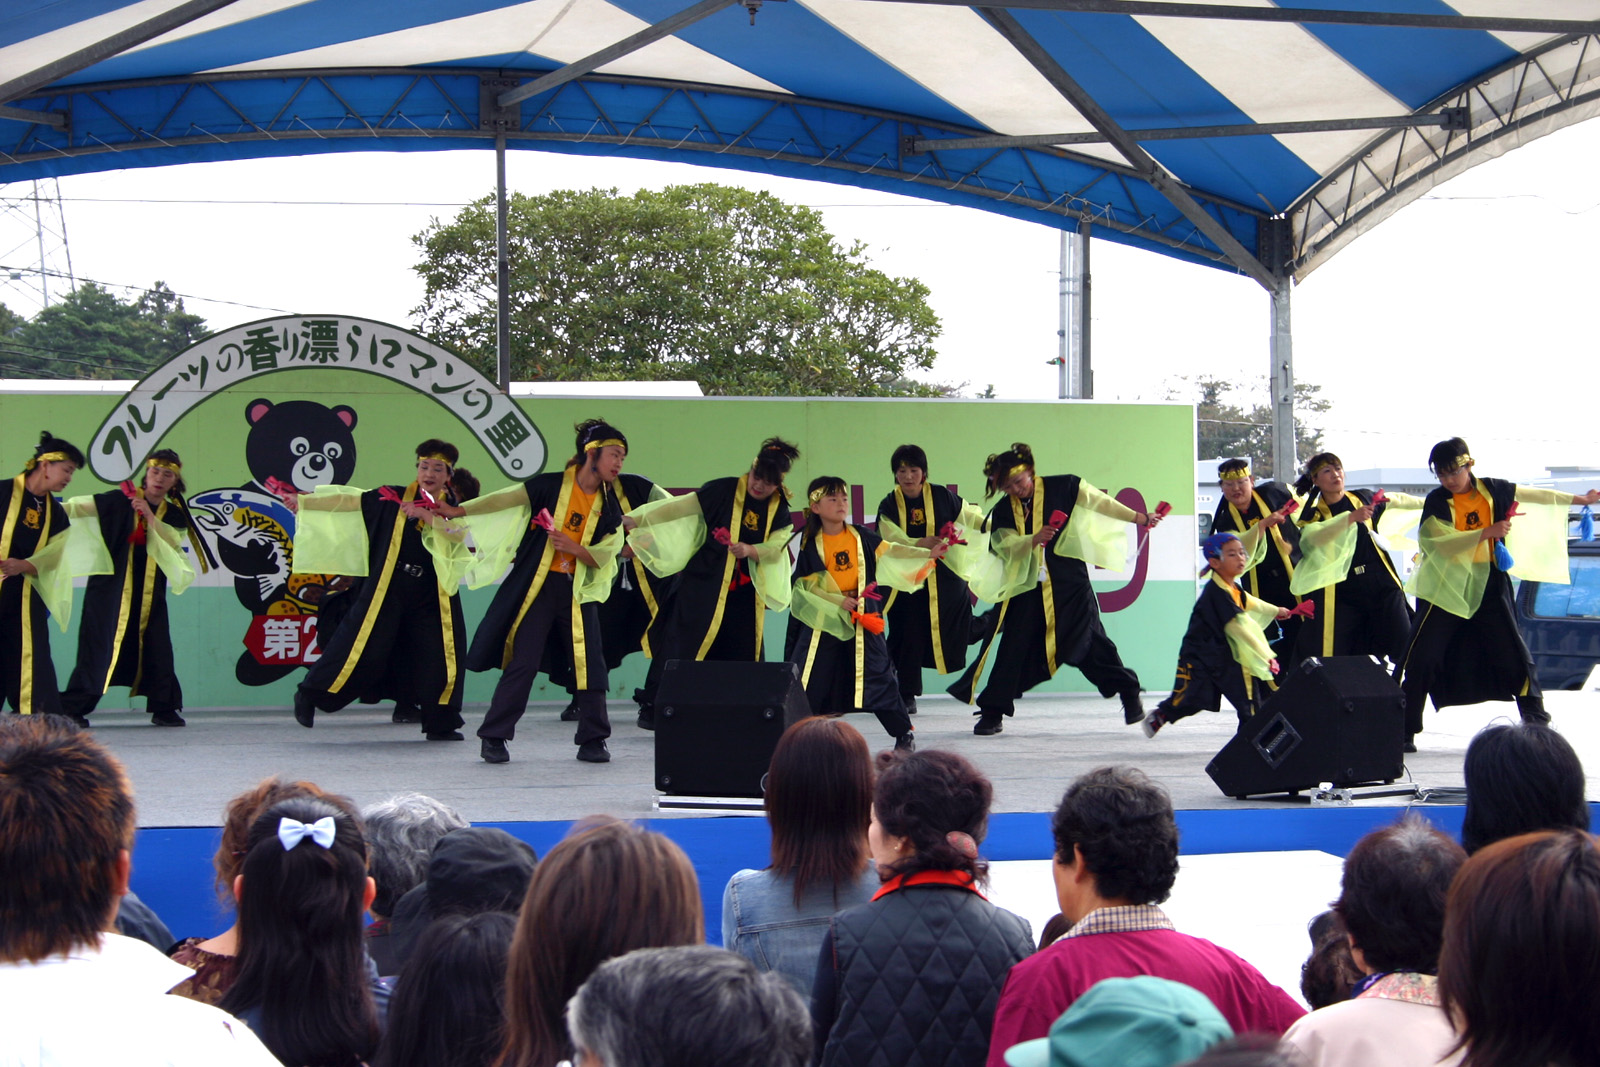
(502, 301)
(1085, 367)
(1284, 461)
(1077, 381)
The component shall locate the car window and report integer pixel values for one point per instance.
(1580, 600)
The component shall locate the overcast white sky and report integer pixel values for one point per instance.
(1470, 312)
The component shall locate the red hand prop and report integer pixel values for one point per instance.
(1058, 519)
(387, 493)
(544, 520)
(950, 534)
(129, 490)
(1306, 609)
(1162, 509)
(1289, 508)
(1272, 665)
(1379, 496)
(721, 536)
(282, 490)
(871, 592)
(1512, 512)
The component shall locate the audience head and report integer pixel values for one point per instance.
(471, 870)
(819, 803)
(1521, 960)
(448, 1008)
(1248, 1050)
(465, 485)
(66, 828)
(1521, 778)
(1392, 898)
(302, 963)
(401, 832)
(1119, 825)
(241, 814)
(608, 888)
(1329, 974)
(930, 812)
(688, 1007)
(1127, 1022)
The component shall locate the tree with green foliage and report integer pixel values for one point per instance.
(732, 288)
(90, 333)
(1225, 429)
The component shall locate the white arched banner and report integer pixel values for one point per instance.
(311, 342)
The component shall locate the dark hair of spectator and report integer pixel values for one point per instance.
(435, 447)
(1247, 1050)
(1521, 778)
(448, 1008)
(1122, 824)
(773, 460)
(926, 796)
(690, 1007)
(909, 456)
(401, 832)
(1054, 927)
(997, 468)
(170, 456)
(302, 960)
(590, 431)
(240, 815)
(1308, 474)
(819, 804)
(608, 888)
(1231, 466)
(66, 815)
(49, 442)
(465, 485)
(1329, 974)
(827, 485)
(1521, 958)
(1392, 897)
(1445, 456)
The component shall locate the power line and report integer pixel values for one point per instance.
(148, 289)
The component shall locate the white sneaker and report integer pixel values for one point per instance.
(1151, 723)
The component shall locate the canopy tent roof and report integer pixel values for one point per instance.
(1249, 137)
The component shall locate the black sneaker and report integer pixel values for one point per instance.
(647, 718)
(570, 712)
(594, 752)
(1132, 708)
(905, 743)
(1409, 746)
(911, 705)
(444, 735)
(406, 713)
(493, 750)
(160, 718)
(304, 713)
(989, 724)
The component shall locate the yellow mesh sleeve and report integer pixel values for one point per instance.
(496, 522)
(1010, 569)
(1255, 541)
(169, 556)
(452, 559)
(903, 567)
(85, 549)
(1401, 513)
(1097, 532)
(769, 569)
(668, 534)
(966, 559)
(508, 499)
(891, 532)
(1248, 643)
(1454, 569)
(591, 585)
(1326, 549)
(817, 604)
(330, 536)
(657, 494)
(54, 580)
(1538, 538)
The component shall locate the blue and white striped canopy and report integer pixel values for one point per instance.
(1247, 136)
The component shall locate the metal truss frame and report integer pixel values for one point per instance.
(1531, 96)
(251, 114)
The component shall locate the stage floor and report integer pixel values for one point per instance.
(184, 777)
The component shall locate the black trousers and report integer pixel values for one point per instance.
(147, 660)
(1498, 656)
(403, 655)
(30, 660)
(1197, 687)
(551, 612)
(1081, 643)
(735, 641)
(831, 678)
(1370, 617)
(910, 636)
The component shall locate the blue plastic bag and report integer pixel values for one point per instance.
(1586, 524)
(1502, 556)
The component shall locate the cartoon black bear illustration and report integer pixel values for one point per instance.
(300, 443)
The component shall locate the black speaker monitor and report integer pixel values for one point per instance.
(718, 723)
(1339, 720)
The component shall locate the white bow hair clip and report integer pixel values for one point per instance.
(292, 831)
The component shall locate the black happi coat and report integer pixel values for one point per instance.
(1484, 657)
(125, 615)
(1269, 579)
(701, 590)
(401, 636)
(1370, 593)
(496, 635)
(943, 607)
(27, 674)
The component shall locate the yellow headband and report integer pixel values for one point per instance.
(592, 445)
(1014, 471)
(48, 457)
(165, 464)
(1461, 461)
(816, 495)
(437, 457)
(1324, 465)
(1233, 476)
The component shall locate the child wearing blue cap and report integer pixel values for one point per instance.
(1225, 650)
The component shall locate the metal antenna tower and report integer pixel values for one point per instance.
(35, 262)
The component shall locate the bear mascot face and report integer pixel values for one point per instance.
(300, 443)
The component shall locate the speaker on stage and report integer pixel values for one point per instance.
(1339, 720)
(718, 723)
